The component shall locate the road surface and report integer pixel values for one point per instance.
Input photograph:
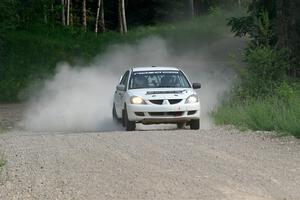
(220, 163)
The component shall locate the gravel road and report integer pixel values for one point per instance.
(220, 163)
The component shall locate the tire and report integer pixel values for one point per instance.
(114, 114)
(195, 124)
(180, 125)
(123, 118)
(130, 125)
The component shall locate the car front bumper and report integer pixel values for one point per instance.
(154, 114)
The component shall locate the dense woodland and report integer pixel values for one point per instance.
(37, 34)
(269, 22)
(102, 15)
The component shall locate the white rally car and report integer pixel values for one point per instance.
(156, 95)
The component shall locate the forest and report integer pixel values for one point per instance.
(101, 15)
(36, 34)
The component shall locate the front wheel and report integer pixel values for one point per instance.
(195, 124)
(180, 125)
(114, 114)
(130, 125)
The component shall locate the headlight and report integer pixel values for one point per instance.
(192, 99)
(137, 100)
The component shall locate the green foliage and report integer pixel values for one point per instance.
(242, 26)
(272, 23)
(258, 23)
(265, 71)
(257, 28)
(23, 13)
(278, 114)
(285, 93)
(263, 33)
(264, 98)
(8, 18)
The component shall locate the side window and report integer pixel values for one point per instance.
(125, 79)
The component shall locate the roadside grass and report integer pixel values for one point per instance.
(32, 54)
(270, 114)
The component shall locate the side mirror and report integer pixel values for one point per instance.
(196, 85)
(121, 87)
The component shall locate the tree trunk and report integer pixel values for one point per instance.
(192, 8)
(122, 17)
(45, 14)
(71, 13)
(84, 14)
(68, 12)
(102, 20)
(97, 16)
(63, 15)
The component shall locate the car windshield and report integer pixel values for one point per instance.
(158, 79)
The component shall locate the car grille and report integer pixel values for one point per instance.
(174, 101)
(160, 101)
(173, 114)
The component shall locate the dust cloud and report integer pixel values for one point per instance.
(79, 98)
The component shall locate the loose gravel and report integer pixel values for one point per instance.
(220, 163)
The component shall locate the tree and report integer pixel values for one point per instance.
(84, 21)
(102, 20)
(100, 17)
(192, 8)
(122, 16)
(275, 24)
(68, 12)
(9, 17)
(259, 25)
(63, 15)
(287, 29)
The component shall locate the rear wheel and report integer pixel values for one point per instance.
(180, 125)
(130, 125)
(195, 124)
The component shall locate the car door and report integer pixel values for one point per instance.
(120, 92)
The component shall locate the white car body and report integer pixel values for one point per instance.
(159, 105)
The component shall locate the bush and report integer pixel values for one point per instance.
(265, 71)
(270, 114)
(264, 98)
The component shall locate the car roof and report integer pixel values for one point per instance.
(154, 68)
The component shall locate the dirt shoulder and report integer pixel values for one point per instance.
(10, 116)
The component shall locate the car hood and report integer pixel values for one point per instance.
(162, 93)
